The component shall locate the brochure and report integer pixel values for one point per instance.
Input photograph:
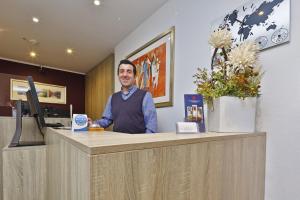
(193, 105)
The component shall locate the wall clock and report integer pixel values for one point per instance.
(264, 21)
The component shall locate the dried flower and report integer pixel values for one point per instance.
(257, 69)
(221, 38)
(238, 76)
(244, 55)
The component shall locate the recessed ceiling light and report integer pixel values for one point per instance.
(35, 20)
(32, 54)
(69, 51)
(33, 41)
(97, 2)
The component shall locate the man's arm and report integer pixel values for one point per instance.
(149, 111)
(106, 119)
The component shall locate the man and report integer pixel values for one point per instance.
(131, 110)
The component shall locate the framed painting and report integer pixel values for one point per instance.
(154, 62)
(47, 93)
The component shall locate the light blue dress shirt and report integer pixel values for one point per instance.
(148, 108)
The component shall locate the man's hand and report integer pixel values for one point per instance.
(90, 121)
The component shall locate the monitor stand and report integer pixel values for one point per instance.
(15, 142)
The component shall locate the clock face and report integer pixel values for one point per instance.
(280, 35)
(257, 20)
(261, 41)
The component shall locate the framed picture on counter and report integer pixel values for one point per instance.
(154, 62)
(47, 93)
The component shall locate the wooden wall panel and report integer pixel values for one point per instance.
(24, 173)
(99, 86)
(68, 170)
(29, 132)
(230, 169)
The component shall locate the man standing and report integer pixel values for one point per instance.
(131, 110)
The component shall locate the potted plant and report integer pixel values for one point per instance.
(232, 85)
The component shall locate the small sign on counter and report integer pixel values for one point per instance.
(79, 122)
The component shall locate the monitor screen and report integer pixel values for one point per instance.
(33, 101)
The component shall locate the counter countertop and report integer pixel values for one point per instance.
(94, 142)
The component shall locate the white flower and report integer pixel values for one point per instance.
(221, 38)
(244, 55)
(257, 68)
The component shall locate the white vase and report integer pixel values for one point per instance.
(232, 114)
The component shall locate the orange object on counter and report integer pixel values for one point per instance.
(96, 129)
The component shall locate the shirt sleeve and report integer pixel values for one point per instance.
(149, 111)
(106, 119)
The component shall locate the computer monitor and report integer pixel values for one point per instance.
(15, 142)
(33, 101)
(35, 109)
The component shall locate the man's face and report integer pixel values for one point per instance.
(126, 75)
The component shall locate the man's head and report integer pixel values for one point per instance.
(126, 73)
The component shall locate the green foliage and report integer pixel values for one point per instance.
(226, 80)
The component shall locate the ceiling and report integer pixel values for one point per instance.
(91, 31)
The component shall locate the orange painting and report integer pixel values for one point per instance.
(151, 71)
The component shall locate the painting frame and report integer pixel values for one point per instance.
(47, 93)
(167, 40)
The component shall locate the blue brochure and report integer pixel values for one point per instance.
(193, 105)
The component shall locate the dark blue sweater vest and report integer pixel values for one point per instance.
(127, 114)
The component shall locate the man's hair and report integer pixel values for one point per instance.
(127, 62)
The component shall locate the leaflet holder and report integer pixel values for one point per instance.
(186, 127)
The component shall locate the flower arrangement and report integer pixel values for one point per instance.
(234, 71)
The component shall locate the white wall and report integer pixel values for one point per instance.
(279, 106)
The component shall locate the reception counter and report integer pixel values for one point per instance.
(162, 166)
(30, 132)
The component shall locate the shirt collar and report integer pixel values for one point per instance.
(130, 90)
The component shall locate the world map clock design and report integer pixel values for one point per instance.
(262, 41)
(280, 35)
(263, 21)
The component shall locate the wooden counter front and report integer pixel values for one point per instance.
(162, 166)
(30, 132)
